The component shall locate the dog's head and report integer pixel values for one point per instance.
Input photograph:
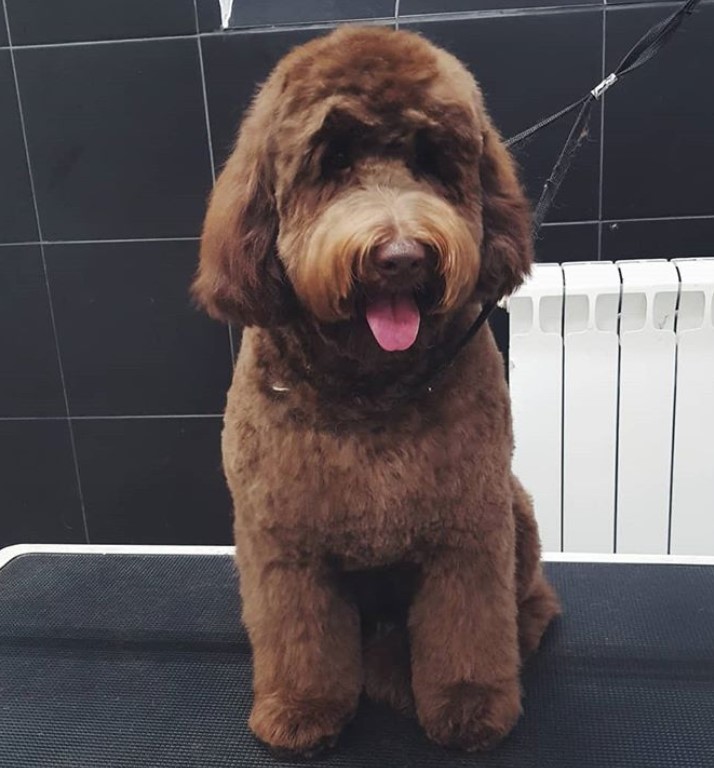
(368, 186)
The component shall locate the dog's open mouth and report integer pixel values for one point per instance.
(394, 320)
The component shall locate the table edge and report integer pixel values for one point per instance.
(9, 553)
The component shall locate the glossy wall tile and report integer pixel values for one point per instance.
(659, 121)
(663, 239)
(255, 13)
(30, 381)
(154, 481)
(131, 340)
(117, 135)
(567, 242)
(38, 487)
(209, 15)
(17, 212)
(34, 22)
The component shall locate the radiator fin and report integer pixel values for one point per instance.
(692, 530)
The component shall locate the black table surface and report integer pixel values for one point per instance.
(140, 660)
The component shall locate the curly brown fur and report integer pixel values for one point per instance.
(381, 539)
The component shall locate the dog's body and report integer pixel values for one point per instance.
(383, 542)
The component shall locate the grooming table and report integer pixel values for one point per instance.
(136, 657)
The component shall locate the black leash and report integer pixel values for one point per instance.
(640, 53)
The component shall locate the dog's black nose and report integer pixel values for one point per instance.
(400, 258)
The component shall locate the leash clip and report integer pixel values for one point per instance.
(598, 90)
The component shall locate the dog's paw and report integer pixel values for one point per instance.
(294, 727)
(471, 717)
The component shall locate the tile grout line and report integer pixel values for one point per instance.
(635, 220)
(602, 136)
(205, 94)
(209, 141)
(584, 222)
(21, 115)
(502, 13)
(196, 239)
(380, 21)
(138, 417)
(546, 9)
(110, 241)
(107, 41)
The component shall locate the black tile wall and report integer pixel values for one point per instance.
(567, 242)
(658, 239)
(117, 136)
(39, 500)
(122, 105)
(3, 28)
(153, 481)
(131, 341)
(410, 7)
(234, 66)
(520, 90)
(17, 213)
(209, 15)
(659, 148)
(30, 381)
(34, 22)
(254, 13)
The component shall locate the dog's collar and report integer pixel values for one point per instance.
(432, 374)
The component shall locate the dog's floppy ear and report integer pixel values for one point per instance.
(240, 279)
(507, 248)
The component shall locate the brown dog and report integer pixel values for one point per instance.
(368, 209)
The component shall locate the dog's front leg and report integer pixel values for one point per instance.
(465, 659)
(307, 672)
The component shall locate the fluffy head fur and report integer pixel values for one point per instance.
(357, 138)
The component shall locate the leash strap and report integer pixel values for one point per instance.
(640, 53)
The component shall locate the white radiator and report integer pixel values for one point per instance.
(612, 382)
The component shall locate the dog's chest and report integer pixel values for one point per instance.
(370, 496)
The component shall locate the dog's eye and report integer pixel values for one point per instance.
(426, 156)
(337, 158)
(340, 160)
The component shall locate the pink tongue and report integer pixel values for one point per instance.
(394, 321)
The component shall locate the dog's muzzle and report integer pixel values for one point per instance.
(392, 312)
(388, 245)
